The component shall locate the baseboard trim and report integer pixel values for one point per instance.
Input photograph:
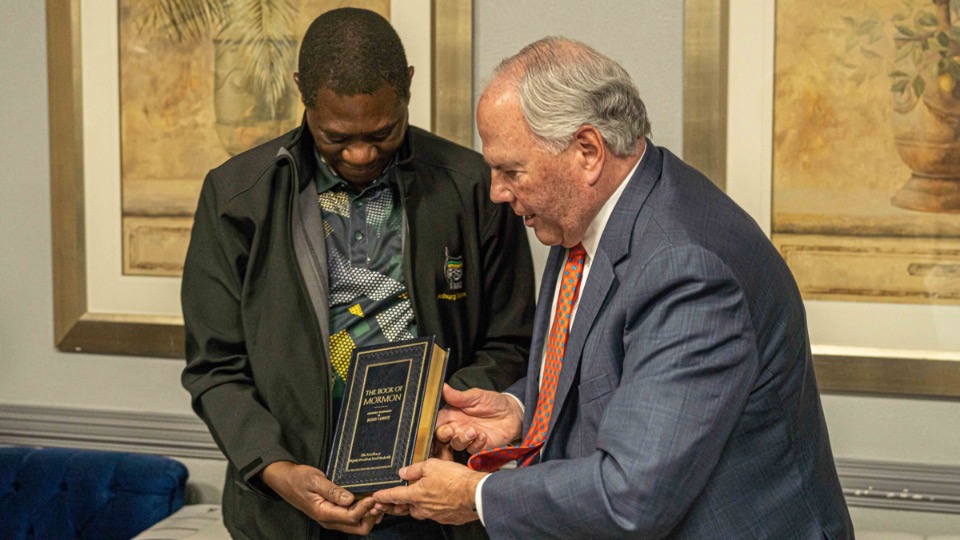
(866, 483)
(175, 435)
(900, 486)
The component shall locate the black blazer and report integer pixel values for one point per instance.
(255, 304)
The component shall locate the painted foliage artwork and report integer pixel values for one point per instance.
(866, 161)
(201, 80)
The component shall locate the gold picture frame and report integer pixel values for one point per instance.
(76, 327)
(715, 63)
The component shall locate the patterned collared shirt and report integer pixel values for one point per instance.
(363, 232)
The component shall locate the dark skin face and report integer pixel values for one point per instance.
(358, 135)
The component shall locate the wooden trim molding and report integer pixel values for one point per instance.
(705, 24)
(888, 376)
(452, 46)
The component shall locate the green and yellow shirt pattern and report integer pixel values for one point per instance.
(363, 232)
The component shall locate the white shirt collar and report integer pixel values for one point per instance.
(591, 239)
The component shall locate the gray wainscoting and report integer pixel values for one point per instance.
(900, 486)
(870, 484)
(175, 435)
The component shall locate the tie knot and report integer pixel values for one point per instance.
(576, 252)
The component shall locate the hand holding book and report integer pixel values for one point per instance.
(308, 490)
(476, 419)
(388, 414)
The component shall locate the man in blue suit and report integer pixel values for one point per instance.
(681, 398)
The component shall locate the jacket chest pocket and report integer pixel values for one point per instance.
(594, 394)
(595, 388)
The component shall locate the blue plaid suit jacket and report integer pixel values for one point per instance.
(688, 406)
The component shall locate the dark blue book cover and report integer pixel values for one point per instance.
(389, 410)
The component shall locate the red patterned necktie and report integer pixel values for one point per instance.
(493, 459)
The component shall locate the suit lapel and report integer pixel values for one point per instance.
(617, 235)
(614, 247)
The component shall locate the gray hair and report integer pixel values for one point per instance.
(565, 84)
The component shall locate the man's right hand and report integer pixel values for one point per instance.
(476, 419)
(308, 490)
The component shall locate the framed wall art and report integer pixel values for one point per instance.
(144, 100)
(842, 138)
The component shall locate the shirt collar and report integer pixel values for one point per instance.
(591, 239)
(326, 178)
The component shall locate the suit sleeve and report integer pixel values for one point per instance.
(689, 362)
(518, 390)
(218, 374)
(503, 344)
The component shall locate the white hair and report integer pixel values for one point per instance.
(564, 84)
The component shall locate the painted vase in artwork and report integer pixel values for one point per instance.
(246, 116)
(926, 120)
(254, 97)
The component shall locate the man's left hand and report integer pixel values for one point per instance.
(439, 490)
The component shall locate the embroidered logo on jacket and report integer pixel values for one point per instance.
(453, 270)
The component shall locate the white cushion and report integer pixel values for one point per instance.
(887, 535)
(193, 521)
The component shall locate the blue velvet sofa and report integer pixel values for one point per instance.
(85, 494)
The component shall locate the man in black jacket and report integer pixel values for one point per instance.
(354, 229)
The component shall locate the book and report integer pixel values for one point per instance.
(388, 413)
